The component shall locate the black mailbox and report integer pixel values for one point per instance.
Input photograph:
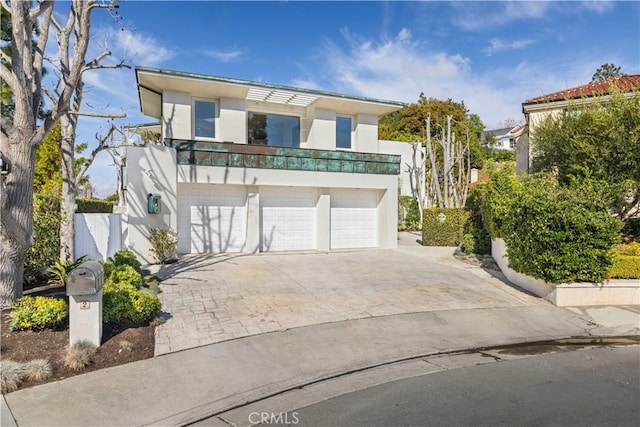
(153, 203)
(86, 279)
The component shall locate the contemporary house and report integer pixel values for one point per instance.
(248, 166)
(537, 109)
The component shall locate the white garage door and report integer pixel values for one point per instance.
(354, 218)
(288, 218)
(211, 218)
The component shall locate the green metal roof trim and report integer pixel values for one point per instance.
(241, 82)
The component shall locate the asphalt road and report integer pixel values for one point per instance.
(594, 387)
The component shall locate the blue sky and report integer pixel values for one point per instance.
(491, 55)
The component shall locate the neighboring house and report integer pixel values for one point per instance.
(249, 166)
(502, 139)
(539, 108)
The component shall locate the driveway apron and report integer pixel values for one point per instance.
(209, 299)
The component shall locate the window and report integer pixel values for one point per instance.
(343, 132)
(273, 129)
(204, 118)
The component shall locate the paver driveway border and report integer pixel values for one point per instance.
(214, 298)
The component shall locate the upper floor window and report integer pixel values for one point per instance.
(343, 132)
(204, 118)
(273, 129)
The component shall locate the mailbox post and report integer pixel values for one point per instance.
(84, 288)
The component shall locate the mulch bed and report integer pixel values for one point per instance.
(122, 343)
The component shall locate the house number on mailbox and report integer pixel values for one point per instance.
(85, 305)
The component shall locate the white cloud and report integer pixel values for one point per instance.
(497, 46)
(476, 16)
(305, 83)
(400, 69)
(598, 6)
(140, 48)
(224, 56)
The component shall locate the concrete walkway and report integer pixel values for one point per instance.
(183, 387)
(211, 299)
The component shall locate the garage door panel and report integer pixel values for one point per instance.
(288, 218)
(211, 218)
(354, 218)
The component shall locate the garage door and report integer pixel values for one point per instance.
(288, 218)
(211, 218)
(354, 218)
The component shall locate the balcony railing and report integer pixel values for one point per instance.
(268, 157)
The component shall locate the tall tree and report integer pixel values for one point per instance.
(601, 141)
(606, 71)
(451, 137)
(21, 134)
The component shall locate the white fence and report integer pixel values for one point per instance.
(99, 236)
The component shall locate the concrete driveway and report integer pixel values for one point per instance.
(210, 299)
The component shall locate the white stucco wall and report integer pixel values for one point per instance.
(322, 129)
(160, 162)
(233, 120)
(366, 134)
(176, 115)
(407, 162)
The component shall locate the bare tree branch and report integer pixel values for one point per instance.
(101, 115)
(5, 57)
(49, 94)
(102, 145)
(106, 66)
(5, 5)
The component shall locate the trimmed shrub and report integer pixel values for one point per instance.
(122, 301)
(126, 257)
(476, 239)
(499, 194)
(561, 234)
(93, 206)
(126, 274)
(625, 267)
(408, 213)
(164, 243)
(37, 313)
(444, 227)
(626, 264)
(108, 266)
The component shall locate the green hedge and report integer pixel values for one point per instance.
(626, 264)
(45, 250)
(476, 239)
(625, 267)
(408, 213)
(561, 234)
(93, 206)
(446, 232)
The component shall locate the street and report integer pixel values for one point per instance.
(598, 387)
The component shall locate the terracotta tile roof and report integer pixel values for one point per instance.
(625, 83)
